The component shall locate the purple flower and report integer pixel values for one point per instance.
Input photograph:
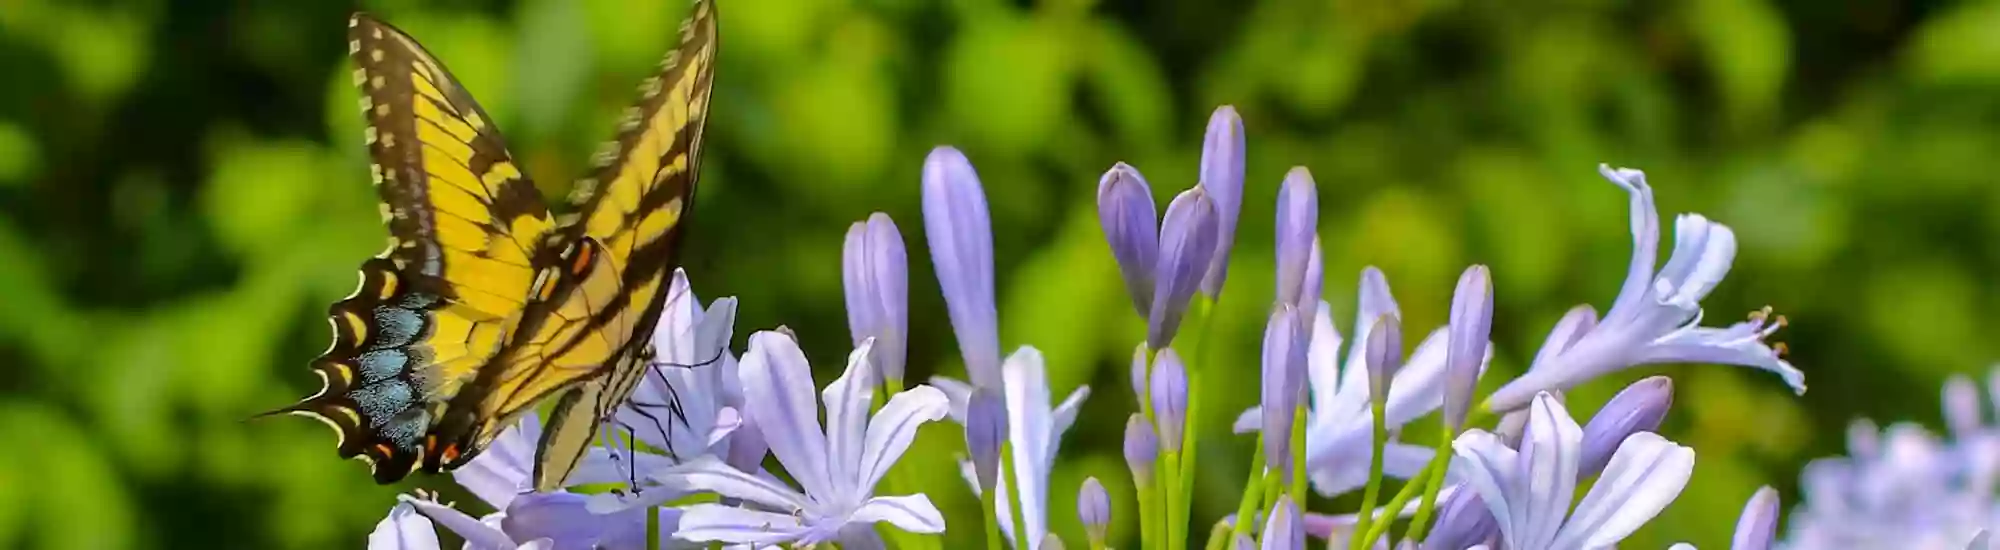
(1530, 491)
(1222, 177)
(1093, 508)
(1471, 323)
(1298, 233)
(961, 242)
(875, 273)
(1125, 208)
(1283, 383)
(1034, 429)
(1170, 393)
(1187, 241)
(1657, 316)
(985, 430)
(837, 467)
(1640, 407)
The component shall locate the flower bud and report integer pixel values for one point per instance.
(1283, 383)
(1298, 228)
(1222, 176)
(1093, 507)
(985, 429)
(1759, 522)
(875, 273)
(1471, 325)
(1640, 407)
(1141, 448)
(1125, 209)
(1170, 398)
(1187, 241)
(961, 241)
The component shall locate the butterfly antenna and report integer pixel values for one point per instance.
(710, 361)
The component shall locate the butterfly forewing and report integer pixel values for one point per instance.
(466, 233)
(635, 202)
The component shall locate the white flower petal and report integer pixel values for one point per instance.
(1065, 415)
(1323, 365)
(732, 525)
(403, 529)
(1418, 387)
(709, 473)
(959, 393)
(727, 420)
(1645, 475)
(1250, 422)
(501, 472)
(913, 513)
(1488, 466)
(892, 429)
(1027, 390)
(778, 387)
(1645, 239)
(1550, 452)
(475, 532)
(847, 401)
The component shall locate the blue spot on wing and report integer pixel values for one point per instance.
(381, 401)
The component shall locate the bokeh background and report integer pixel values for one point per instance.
(183, 189)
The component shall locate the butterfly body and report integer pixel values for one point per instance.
(485, 303)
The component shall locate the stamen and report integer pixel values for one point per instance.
(1779, 349)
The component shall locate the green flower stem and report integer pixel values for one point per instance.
(1014, 504)
(1374, 491)
(1299, 455)
(1252, 493)
(1185, 470)
(1381, 526)
(1149, 513)
(1421, 523)
(652, 528)
(1170, 474)
(989, 503)
(1218, 536)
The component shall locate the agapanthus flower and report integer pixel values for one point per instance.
(1657, 315)
(1756, 526)
(1529, 491)
(875, 274)
(1034, 430)
(1905, 487)
(836, 467)
(501, 477)
(1340, 424)
(960, 232)
(1222, 176)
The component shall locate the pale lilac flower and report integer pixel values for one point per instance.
(1471, 325)
(961, 242)
(501, 477)
(1131, 226)
(1187, 241)
(1755, 527)
(1222, 177)
(1141, 447)
(1284, 530)
(1170, 395)
(1093, 508)
(1340, 423)
(1283, 380)
(985, 421)
(1903, 486)
(694, 371)
(1640, 407)
(1657, 316)
(1529, 492)
(1298, 232)
(875, 273)
(837, 467)
(1034, 429)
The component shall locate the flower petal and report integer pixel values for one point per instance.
(475, 532)
(1488, 467)
(1550, 451)
(403, 529)
(913, 513)
(732, 525)
(1646, 474)
(847, 400)
(892, 429)
(1029, 430)
(958, 393)
(960, 232)
(501, 472)
(875, 274)
(564, 519)
(1323, 369)
(778, 386)
(1645, 238)
(710, 474)
(1125, 209)
(1187, 242)
(1222, 176)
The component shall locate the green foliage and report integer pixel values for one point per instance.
(182, 191)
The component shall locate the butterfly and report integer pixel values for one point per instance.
(485, 303)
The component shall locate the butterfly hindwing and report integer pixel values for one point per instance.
(635, 203)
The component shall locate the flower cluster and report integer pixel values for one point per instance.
(691, 445)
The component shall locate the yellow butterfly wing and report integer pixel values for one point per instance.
(635, 202)
(467, 234)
